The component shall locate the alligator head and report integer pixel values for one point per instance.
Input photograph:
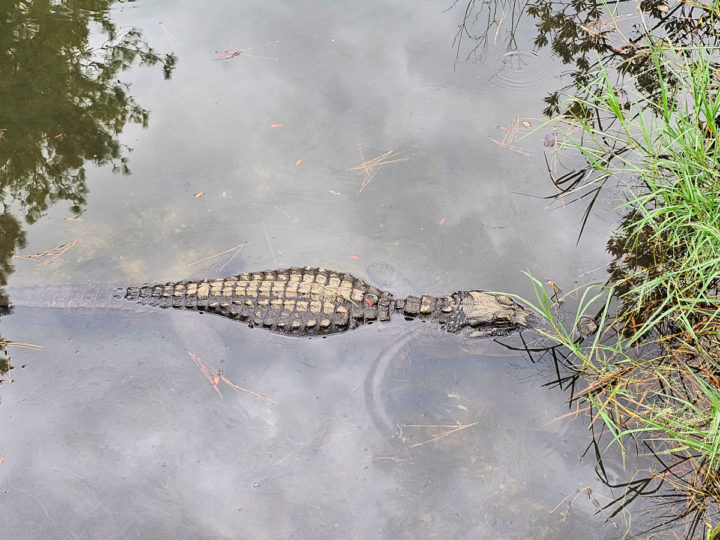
(481, 314)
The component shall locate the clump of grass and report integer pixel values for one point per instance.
(652, 373)
(652, 396)
(671, 238)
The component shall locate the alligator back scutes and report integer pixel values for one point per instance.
(293, 301)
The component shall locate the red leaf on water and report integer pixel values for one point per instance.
(226, 55)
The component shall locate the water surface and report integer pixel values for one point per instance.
(113, 430)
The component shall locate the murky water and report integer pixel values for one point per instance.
(113, 429)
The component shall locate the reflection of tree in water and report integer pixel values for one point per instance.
(581, 32)
(482, 24)
(61, 105)
(643, 257)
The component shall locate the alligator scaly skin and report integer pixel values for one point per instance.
(314, 301)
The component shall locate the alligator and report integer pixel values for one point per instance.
(314, 301)
(318, 302)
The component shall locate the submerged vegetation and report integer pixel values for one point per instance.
(652, 373)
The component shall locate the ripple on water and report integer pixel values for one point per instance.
(520, 69)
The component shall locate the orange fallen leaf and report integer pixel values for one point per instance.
(58, 136)
(354, 257)
(199, 194)
(442, 221)
(298, 162)
(369, 302)
(276, 125)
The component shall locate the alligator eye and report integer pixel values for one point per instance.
(503, 299)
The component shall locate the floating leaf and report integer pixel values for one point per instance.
(226, 55)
